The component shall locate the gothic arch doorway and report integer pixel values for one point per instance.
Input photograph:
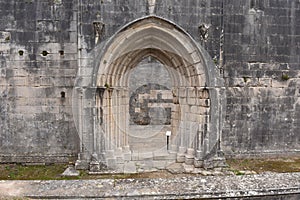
(150, 107)
(194, 99)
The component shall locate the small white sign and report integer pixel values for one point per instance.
(168, 133)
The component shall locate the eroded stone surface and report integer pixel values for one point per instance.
(175, 188)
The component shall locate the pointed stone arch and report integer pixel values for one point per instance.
(198, 96)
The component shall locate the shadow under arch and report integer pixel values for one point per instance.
(198, 96)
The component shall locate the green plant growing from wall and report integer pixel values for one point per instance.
(57, 1)
(45, 53)
(106, 85)
(285, 77)
(216, 62)
(245, 78)
(98, 14)
(21, 52)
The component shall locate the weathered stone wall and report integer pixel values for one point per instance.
(261, 70)
(38, 48)
(255, 43)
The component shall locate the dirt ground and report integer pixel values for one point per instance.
(280, 165)
(236, 166)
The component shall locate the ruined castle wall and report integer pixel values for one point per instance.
(43, 43)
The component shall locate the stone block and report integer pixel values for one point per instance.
(94, 166)
(145, 155)
(111, 163)
(203, 110)
(188, 168)
(193, 117)
(130, 167)
(180, 157)
(280, 83)
(110, 153)
(134, 156)
(119, 160)
(144, 165)
(161, 155)
(195, 109)
(18, 81)
(182, 92)
(81, 165)
(70, 171)
(175, 168)
(175, 115)
(198, 163)
(159, 164)
(191, 92)
(191, 101)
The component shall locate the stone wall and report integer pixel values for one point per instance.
(150, 94)
(261, 70)
(43, 43)
(38, 48)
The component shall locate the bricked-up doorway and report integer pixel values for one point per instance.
(196, 92)
(150, 110)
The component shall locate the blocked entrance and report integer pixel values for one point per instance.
(190, 105)
(150, 106)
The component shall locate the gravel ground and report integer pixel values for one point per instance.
(158, 188)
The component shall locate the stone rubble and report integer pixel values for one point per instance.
(283, 185)
(71, 171)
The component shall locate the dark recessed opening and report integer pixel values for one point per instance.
(252, 4)
(21, 52)
(45, 53)
(61, 52)
(62, 94)
(206, 102)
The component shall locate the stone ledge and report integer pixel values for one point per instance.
(262, 186)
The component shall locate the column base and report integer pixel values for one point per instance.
(81, 165)
(181, 155)
(189, 157)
